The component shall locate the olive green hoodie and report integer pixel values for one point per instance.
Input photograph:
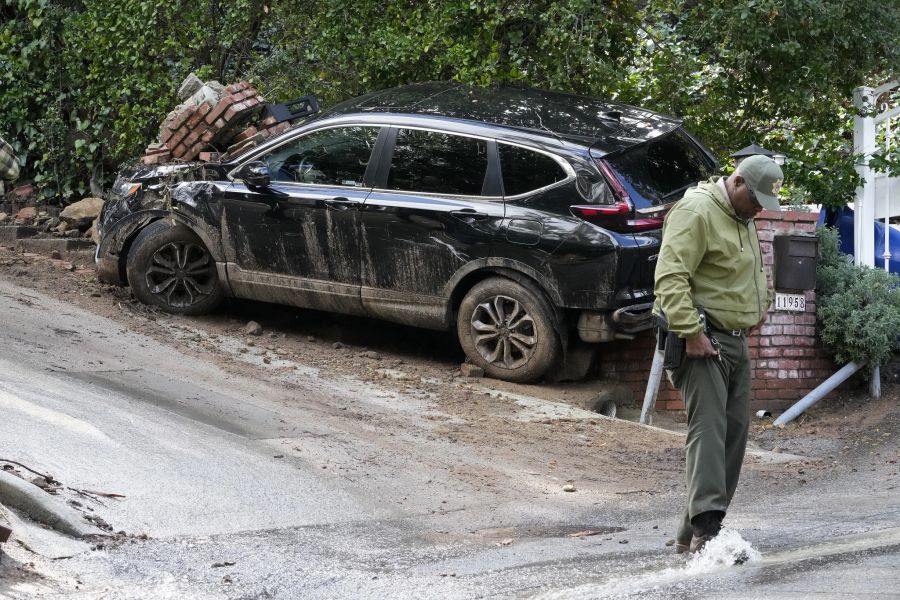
(710, 258)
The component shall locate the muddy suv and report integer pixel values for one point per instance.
(521, 218)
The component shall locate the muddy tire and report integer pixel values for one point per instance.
(169, 267)
(508, 330)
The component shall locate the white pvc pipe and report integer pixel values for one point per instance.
(656, 371)
(817, 394)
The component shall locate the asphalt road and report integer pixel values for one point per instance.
(297, 485)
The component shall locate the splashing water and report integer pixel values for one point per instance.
(726, 549)
(723, 551)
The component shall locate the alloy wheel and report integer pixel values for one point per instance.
(504, 332)
(181, 274)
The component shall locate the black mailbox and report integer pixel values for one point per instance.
(795, 261)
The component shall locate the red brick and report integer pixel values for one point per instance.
(220, 108)
(177, 138)
(779, 340)
(785, 364)
(201, 111)
(237, 87)
(183, 116)
(165, 134)
(209, 156)
(781, 319)
(269, 121)
(194, 151)
(179, 150)
(811, 217)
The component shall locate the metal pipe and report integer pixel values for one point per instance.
(656, 370)
(820, 392)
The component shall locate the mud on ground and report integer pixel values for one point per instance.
(842, 435)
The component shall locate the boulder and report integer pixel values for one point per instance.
(26, 214)
(4, 217)
(82, 213)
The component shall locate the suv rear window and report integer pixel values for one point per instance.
(526, 170)
(658, 171)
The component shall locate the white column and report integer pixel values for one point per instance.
(864, 208)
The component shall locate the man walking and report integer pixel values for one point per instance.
(711, 287)
(9, 167)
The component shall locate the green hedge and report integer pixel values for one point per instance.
(858, 307)
(84, 83)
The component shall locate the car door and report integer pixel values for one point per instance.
(300, 234)
(437, 205)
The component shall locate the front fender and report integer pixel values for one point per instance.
(116, 240)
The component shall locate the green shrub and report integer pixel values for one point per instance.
(858, 307)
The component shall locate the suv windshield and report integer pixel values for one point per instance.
(656, 172)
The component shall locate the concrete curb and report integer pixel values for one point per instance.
(10, 234)
(42, 507)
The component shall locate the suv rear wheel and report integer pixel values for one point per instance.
(507, 329)
(169, 267)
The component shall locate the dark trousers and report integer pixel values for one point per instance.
(717, 398)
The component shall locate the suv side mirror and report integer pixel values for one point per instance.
(255, 174)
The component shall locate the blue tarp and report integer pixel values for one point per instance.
(843, 220)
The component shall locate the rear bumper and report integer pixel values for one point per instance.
(623, 323)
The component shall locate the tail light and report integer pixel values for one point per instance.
(619, 216)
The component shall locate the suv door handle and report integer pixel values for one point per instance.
(341, 203)
(468, 213)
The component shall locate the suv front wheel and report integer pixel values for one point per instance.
(507, 329)
(169, 267)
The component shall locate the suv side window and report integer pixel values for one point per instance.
(525, 170)
(428, 161)
(337, 156)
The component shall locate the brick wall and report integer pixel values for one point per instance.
(788, 359)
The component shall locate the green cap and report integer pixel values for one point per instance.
(764, 177)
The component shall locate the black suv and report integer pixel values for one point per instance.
(519, 217)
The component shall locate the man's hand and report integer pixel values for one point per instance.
(699, 346)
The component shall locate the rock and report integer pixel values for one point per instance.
(26, 214)
(372, 354)
(189, 86)
(569, 487)
(56, 254)
(61, 227)
(310, 338)
(338, 346)
(51, 223)
(4, 217)
(470, 370)
(40, 482)
(72, 233)
(253, 328)
(82, 213)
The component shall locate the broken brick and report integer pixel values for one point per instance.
(177, 138)
(245, 134)
(181, 117)
(209, 156)
(220, 108)
(236, 87)
(197, 117)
